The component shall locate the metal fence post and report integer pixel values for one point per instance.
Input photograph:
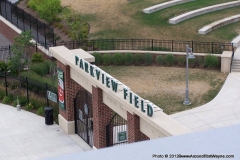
(23, 20)
(47, 95)
(172, 45)
(5, 9)
(27, 89)
(45, 38)
(5, 77)
(17, 16)
(152, 44)
(11, 12)
(37, 29)
(112, 44)
(212, 47)
(53, 35)
(192, 46)
(30, 23)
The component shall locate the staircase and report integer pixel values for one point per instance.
(235, 65)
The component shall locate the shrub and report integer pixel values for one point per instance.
(15, 103)
(3, 66)
(138, 59)
(39, 68)
(191, 62)
(29, 107)
(107, 59)
(98, 58)
(37, 57)
(37, 103)
(200, 61)
(117, 59)
(128, 58)
(169, 59)
(160, 60)
(211, 61)
(148, 59)
(33, 4)
(22, 100)
(40, 111)
(2, 94)
(7, 99)
(49, 9)
(181, 60)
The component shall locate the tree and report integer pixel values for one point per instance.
(21, 52)
(79, 29)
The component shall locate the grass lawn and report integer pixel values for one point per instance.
(125, 19)
(165, 86)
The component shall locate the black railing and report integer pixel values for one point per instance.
(148, 45)
(26, 87)
(41, 32)
(135, 44)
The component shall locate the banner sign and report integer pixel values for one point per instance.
(61, 89)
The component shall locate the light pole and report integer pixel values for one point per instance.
(188, 56)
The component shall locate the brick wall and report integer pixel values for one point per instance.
(7, 31)
(71, 89)
(102, 115)
(134, 133)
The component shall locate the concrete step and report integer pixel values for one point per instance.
(235, 70)
(235, 65)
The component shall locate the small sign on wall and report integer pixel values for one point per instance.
(122, 136)
(61, 96)
(52, 96)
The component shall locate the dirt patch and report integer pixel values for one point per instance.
(165, 86)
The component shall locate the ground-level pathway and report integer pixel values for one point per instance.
(24, 136)
(223, 110)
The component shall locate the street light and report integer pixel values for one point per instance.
(188, 56)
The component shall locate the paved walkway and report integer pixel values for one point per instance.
(24, 135)
(223, 110)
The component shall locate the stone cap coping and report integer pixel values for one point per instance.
(226, 54)
(236, 41)
(219, 23)
(61, 53)
(152, 52)
(161, 6)
(204, 10)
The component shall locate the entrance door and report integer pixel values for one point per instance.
(116, 131)
(83, 116)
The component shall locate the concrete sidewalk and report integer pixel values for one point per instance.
(24, 135)
(223, 110)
